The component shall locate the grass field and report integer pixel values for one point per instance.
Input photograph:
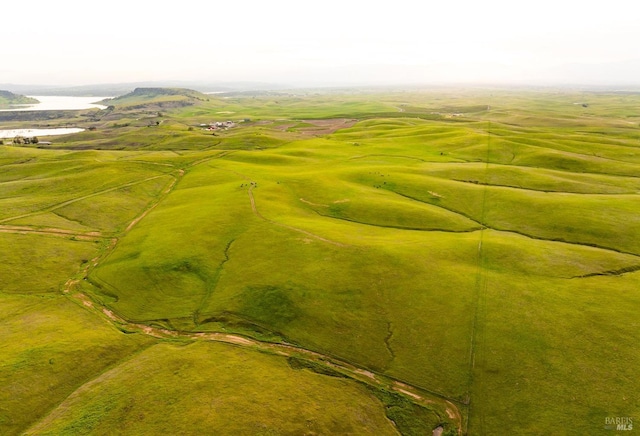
(373, 262)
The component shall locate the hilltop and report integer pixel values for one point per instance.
(156, 92)
(8, 98)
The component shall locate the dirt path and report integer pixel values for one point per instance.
(24, 230)
(319, 127)
(83, 197)
(326, 127)
(313, 204)
(347, 369)
(165, 192)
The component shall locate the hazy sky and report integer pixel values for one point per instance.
(320, 42)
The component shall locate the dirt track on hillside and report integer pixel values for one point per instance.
(326, 127)
(25, 230)
(282, 349)
(317, 128)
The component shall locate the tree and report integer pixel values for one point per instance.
(35, 140)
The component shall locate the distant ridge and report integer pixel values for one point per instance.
(154, 92)
(157, 98)
(109, 89)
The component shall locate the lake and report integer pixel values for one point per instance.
(30, 133)
(51, 103)
(58, 103)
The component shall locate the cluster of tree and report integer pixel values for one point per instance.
(25, 140)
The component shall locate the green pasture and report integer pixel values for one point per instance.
(481, 246)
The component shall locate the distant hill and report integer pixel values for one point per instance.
(157, 98)
(9, 98)
(109, 89)
(157, 92)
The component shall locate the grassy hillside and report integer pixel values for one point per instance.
(336, 263)
(215, 389)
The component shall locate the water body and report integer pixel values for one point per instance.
(51, 103)
(30, 133)
(58, 103)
